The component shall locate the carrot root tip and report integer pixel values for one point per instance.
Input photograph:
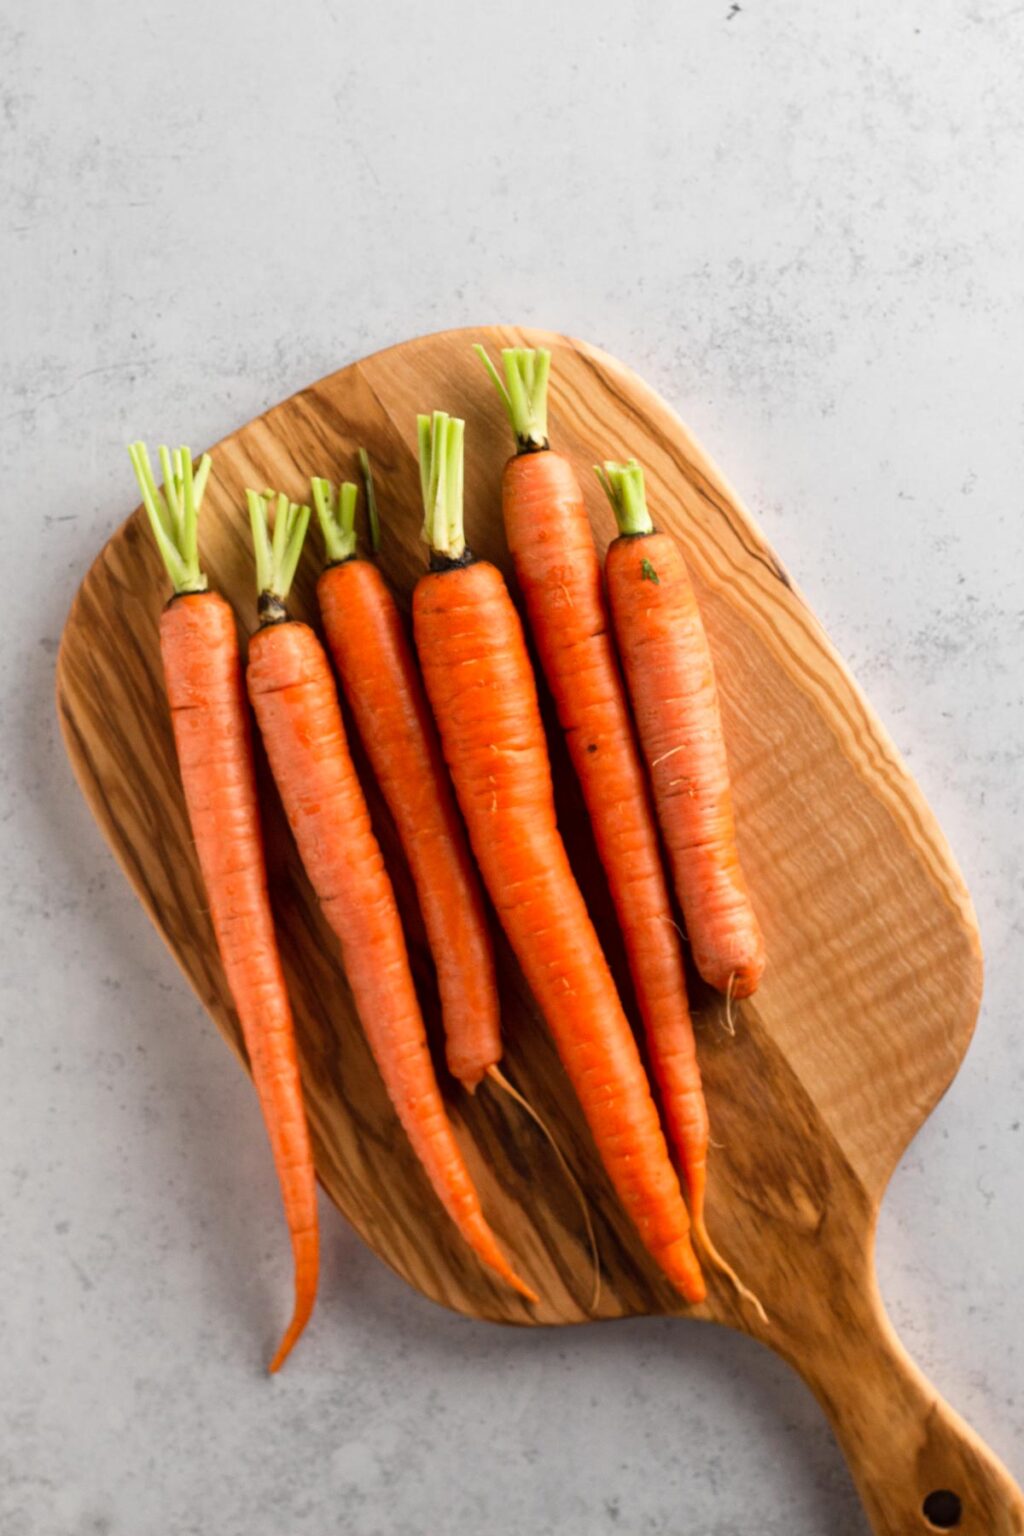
(501, 1081)
(717, 1261)
(730, 1022)
(284, 1349)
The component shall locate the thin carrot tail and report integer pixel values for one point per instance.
(306, 1250)
(485, 1245)
(508, 1273)
(730, 1021)
(682, 1267)
(498, 1077)
(716, 1260)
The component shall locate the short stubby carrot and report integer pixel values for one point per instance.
(367, 640)
(481, 687)
(203, 673)
(296, 705)
(671, 680)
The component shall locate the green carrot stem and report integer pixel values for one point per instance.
(336, 515)
(277, 537)
(174, 512)
(523, 392)
(624, 486)
(441, 440)
(372, 516)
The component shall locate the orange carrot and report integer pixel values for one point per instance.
(481, 688)
(293, 695)
(203, 674)
(559, 574)
(671, 681)
(367, 640)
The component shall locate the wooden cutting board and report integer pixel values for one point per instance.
(875, 966)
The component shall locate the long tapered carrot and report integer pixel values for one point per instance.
(671, 679)
(293, 695)
(481, 688)
(203, 674)
(559, 574)
(372, 655)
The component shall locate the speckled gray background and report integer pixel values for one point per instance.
(804, 224)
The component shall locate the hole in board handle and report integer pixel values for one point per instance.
(942, 1509)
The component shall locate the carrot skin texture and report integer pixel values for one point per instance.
(671, 680)
(480, 684)
(371, 652)
(202, 667)
(293, 695)
(559, 574)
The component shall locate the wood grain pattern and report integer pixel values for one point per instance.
(874, 975)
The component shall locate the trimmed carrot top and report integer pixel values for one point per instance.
(440, 446)
(523, 392)
(174, 511)
(336, 514)
(624, 486)
(277, 540)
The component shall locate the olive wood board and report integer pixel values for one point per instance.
(874, 975)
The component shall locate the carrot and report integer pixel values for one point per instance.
(671, 681)
(559, 574)
(481, 688)
(374, 660)
(203, 675)
(296, 706)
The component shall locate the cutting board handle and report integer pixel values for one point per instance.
(918, 1467)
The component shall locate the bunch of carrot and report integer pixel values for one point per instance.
(460, 731)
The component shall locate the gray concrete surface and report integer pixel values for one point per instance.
(802, 223)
